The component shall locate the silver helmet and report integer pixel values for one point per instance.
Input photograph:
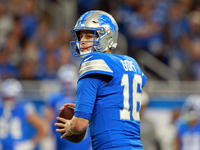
(11, 88)
(103, 25)
(191, 107)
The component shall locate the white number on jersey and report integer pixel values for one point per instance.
(190, 141)
(13, 128)
(136, 97)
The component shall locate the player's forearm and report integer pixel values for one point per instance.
(37, 138)
(39, 125)
(41, 133)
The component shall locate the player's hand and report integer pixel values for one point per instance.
(66, 105)
(64, 127)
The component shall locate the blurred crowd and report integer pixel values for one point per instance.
(167, 29)
(35, 36)
(34, 45)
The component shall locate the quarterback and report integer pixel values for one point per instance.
(109, 87)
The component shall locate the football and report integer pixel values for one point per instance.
(68, 113)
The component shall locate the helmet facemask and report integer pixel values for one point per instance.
(75, 45)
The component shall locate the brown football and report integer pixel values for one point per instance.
(68, 113)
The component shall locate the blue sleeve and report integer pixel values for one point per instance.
(86, 95)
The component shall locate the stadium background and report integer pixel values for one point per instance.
(162, 35)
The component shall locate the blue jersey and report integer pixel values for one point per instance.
(109, 96)
(14, 127)
(189, 136)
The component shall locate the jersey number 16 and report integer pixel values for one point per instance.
(136, 97)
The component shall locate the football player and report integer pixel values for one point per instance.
(109, 87)
(188, 132)
(17, 120)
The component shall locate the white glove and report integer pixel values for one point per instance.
(24, 145)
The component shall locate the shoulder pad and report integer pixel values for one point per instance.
(94, 64)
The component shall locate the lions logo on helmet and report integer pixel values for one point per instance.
(103, 25)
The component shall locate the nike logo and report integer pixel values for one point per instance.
(88, 58)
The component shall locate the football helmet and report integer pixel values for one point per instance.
(103, 25)
(68, 75)
(11, 88)
(191, 107)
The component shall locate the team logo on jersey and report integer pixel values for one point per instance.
(105, 20)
